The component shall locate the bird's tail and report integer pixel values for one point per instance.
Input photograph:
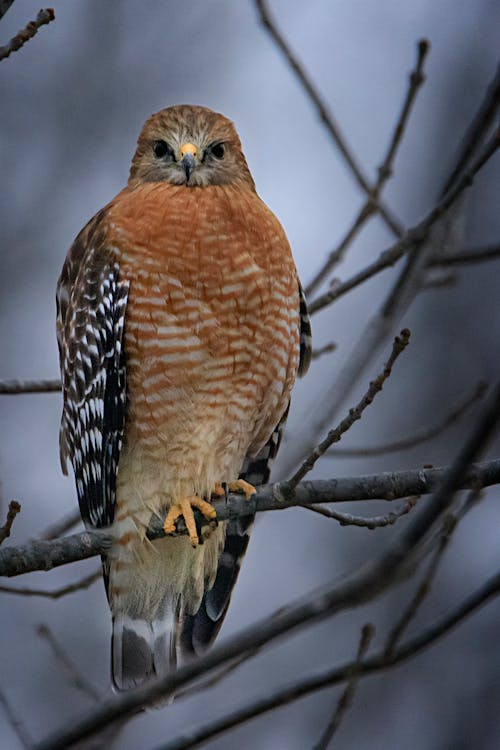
(143, 648)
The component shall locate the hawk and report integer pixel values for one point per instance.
(181, 326)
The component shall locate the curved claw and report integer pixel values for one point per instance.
(184, 508)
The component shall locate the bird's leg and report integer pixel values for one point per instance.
(241, 486)
(184, 508)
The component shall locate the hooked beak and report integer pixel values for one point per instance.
(188, 153)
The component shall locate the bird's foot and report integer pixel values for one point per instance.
(241, 486)
(184, 508)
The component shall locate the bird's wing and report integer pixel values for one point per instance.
(91, 303)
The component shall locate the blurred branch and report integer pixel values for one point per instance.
(414, 237)
(479, 255)
(62, 526)
(384, 171)
(45, 555)
(15, 387)
(83, 583)
(326, 349)
(15, 722)
(67, 665)
(399, 345)
(325, 115)
(44, 17)
(427, 433)
(375, 522)
(477, 130)
(4, 6)
(345, 699)
(450, 523)
(14, 509)
(325, 679)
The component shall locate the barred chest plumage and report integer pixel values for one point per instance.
(211, 334)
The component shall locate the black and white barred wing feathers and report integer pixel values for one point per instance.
(91, 303)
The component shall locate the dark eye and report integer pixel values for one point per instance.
(161, 149)
(217, 150)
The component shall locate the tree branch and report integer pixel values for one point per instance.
(325, 115)
(14, 509)
(335, 435)
(393, 565)
(15, 387)
(45, 555)
(384, 171)
(44, 17)
(314, 683)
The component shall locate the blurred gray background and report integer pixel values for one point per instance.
(72, 104)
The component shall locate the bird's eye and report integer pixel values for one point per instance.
(217, 150)
(161, 149)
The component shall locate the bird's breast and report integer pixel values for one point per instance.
(211, 333)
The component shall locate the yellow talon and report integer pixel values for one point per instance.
(241, 486)
(184, 508)
(219, 490)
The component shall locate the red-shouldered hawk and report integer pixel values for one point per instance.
(181, 327)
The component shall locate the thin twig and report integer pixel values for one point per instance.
(62, 526)
(67, 665)
(424, 435)
(479, 255)
(325, 115)
(83, 583)
(414, 237)
(384, 171)
(15, 387)
(44, 17)
(16, 723)
(345, 700)
(400, 344)
(45, 555)
(374, 522)
(326, 349)
(377, 663)
(395, 563)
(14, 509)
(450, 523)
(476, 130)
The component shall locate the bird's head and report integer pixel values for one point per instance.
(192, 146)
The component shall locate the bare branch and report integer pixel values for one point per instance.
(384, 171)
(67, 665)
(16, 723)
(45, 555)
(394, 564)
(14, 509)
(478, 255)
(325, 115)
(314, 683)
(326, 349)
(477, 130)
(414, 237)
(44, 17)
(400, 344)
(15, 387)
(375, 522)
(450, 523)
(418, 437)
(62, 526)
(4, 6)
(345, 699)
(83, 583)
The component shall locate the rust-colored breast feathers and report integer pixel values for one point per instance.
(212, 318)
